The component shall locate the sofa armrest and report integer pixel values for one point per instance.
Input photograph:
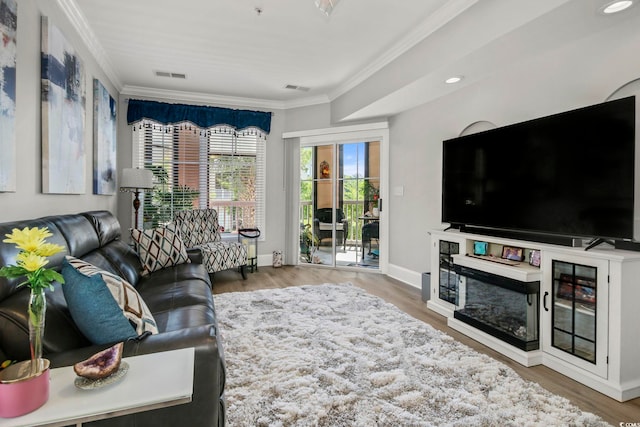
(195, 255)
(206, 407)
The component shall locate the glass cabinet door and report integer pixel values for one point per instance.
(574, 310)
(448, 285)
(575, 305)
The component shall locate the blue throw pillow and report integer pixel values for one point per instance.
(93, 309)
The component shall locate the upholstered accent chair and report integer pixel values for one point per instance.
(199, 229)
(322, 226)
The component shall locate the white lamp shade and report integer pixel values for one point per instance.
(136, 179)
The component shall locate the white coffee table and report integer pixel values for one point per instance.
(153, 381)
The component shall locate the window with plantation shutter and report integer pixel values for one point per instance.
(217, 167)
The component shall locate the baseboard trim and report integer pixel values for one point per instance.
(265, 260)
(405, 275)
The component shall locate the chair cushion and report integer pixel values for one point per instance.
(328, 226)
(220, 256)
(105, 307)
(198, 226)
(159, 248)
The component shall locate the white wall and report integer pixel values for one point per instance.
(28, 200)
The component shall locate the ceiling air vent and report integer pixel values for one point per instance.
(295, 87)
(172, 75)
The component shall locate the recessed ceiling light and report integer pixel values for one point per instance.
(616, 6)
(454, 79)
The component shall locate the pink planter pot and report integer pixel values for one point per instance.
(21, 396)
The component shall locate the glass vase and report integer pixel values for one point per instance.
(37, 310)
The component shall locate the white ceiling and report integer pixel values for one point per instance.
(227, 49)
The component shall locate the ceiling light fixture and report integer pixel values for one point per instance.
(326, 6)
(454, 79)
(616, 6)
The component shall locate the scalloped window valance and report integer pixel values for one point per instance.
(200, 115)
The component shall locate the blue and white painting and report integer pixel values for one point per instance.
(63, 114)
(104, 140)
(8, 28)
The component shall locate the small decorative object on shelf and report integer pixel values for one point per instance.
(30, 264)
(103, 368)
(534, 258)
(480, 248)
(512, 253)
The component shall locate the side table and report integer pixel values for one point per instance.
(156, 380)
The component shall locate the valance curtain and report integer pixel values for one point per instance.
(200, 115)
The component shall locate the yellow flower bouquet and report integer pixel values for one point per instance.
(32, 258)
(30, 263)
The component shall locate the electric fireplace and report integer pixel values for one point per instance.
(502, 307)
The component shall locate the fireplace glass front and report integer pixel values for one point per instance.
(502, 307)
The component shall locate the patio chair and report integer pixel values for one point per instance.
(322, 226)
(199, 228)
(370, 231)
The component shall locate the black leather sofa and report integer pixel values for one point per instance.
(179, 298)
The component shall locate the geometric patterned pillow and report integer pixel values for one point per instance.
(159, 248)
(128, 299)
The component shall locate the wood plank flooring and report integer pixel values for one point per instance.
(408, 299)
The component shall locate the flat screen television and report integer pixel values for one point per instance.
(569, 174)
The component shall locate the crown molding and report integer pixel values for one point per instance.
(205, 98)
(435, 21)
(79, 22)
(374, 126)
(307, 102)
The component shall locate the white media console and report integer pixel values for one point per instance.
(577, 313)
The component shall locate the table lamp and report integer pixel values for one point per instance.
(134, 180)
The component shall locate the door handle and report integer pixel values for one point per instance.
(544, 301)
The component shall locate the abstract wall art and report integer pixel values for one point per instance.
(104, 140)
(8, 29)
(63, 114)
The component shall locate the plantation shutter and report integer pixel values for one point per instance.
(218, 168)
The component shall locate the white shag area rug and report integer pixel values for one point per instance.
(335, 355)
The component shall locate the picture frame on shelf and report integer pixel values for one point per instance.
(534, 258)
(513, 253)
(480, 248)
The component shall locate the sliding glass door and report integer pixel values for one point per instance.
(340, 204)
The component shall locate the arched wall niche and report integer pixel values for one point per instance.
(627, 89)
(479, 126)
